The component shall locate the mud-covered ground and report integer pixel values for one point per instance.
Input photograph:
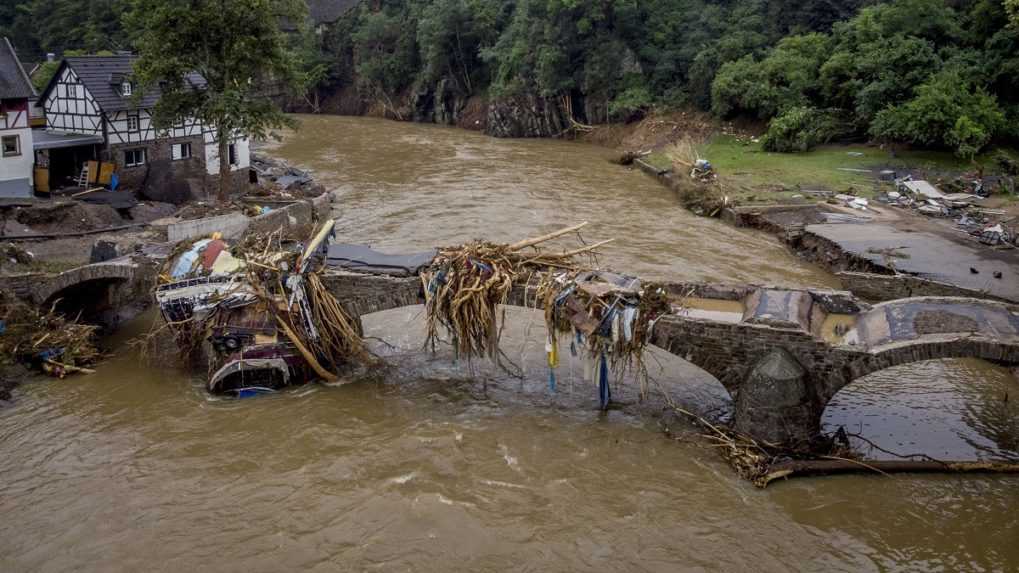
(53, 235)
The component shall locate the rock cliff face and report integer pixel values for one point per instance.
(442, 104)
(445, 103)
(525, 116)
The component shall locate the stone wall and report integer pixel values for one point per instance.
(300, 218)
(158, 158)
(364, 294)
(21, 285)
(881, 287)
(231, 226)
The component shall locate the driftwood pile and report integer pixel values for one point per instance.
(465, 284)
(603, 316)
(45, 340)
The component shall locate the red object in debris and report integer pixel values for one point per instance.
(211, 253)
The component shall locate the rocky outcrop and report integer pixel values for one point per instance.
(525, 116)
(442, 103)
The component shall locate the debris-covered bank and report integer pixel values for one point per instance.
(74, 265)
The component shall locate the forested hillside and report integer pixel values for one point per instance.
(928, 72)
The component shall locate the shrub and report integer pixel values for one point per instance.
(802, 129)
(946, 112)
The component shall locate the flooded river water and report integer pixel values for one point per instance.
(435, 466)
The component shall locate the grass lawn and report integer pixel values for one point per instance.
(746, 170)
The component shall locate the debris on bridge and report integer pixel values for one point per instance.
(607, 318)
(45, 340)
(465, 284)
(262, 309)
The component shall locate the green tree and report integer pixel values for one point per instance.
(1013, 11)
(386, 55)
(787, 78)
(451, 35)
(947, 111)
(234, 44)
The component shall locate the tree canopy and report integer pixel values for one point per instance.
(859, 63)
(236, 46)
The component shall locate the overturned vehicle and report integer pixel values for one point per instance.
(258, 312)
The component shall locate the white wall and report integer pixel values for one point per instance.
(79, 114)
(243, 150)
(16, 172)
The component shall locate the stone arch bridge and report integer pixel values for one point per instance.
(105, 293)
(783, 354)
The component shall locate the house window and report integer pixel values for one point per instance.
(11, 145)
(72, 90)
(134, 157)
(133, 123)
(233, 154)
(181, 151)
(125, 88)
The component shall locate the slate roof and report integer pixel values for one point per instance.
(14, 82)
(102, 76)
(329, 11)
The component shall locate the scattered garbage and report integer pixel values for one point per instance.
(279, 179)
(16, 254)
(919, 189)
(604, 319)
(703, 171)
(996, 235)
(853, 201)
(859, 203)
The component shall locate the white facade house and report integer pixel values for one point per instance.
(97, 96)
(16, 142)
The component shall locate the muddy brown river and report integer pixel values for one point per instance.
(430, 465)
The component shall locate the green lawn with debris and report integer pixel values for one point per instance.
(749, 173)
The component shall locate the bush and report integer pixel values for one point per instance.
(946, 112)
(632, 102)
(802, 129)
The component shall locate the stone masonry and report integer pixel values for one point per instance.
(773, 357)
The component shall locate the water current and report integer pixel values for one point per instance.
(431, 465)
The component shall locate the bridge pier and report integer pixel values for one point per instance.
(776, 403)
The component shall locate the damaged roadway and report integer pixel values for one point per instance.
(937, 256)
(893, 246)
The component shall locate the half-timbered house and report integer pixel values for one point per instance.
(15, 132)
(96, 96)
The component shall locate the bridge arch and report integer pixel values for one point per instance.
(955, 403)
(905, 331)
(91, 291)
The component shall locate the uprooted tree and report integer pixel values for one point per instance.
(236, 46)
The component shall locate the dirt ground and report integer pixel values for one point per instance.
(63, 223)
